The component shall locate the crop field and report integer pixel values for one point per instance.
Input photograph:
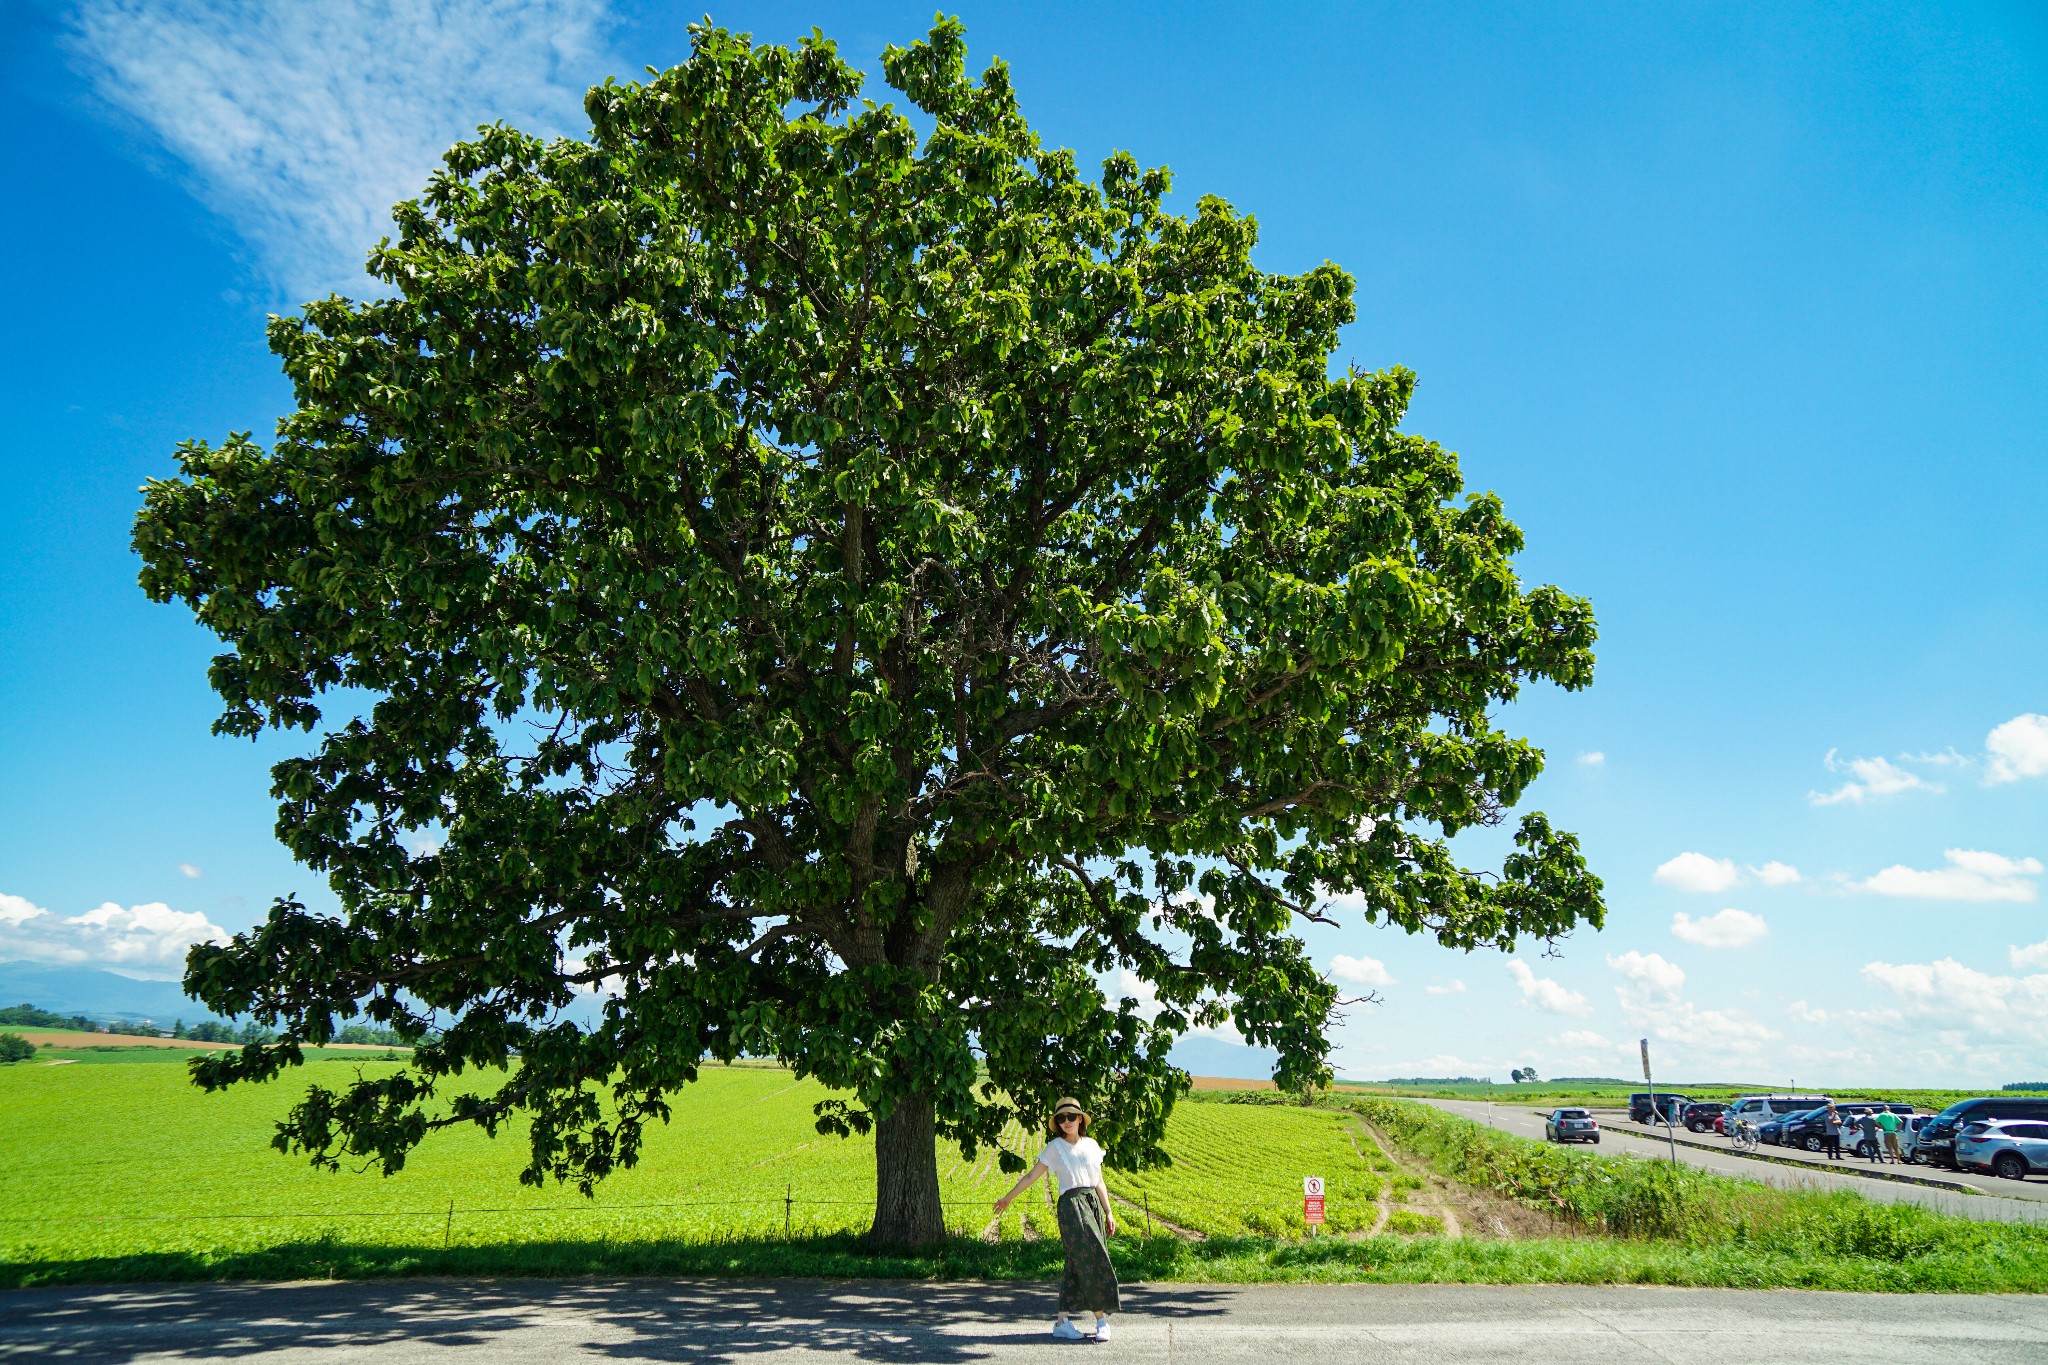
(108, 1161)
(1237, 1170)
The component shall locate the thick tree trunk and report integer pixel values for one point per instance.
(907, 1212)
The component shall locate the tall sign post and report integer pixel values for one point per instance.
(1312, 1200)
(1670, 1135)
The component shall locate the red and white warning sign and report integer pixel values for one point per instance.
(1312, 1199)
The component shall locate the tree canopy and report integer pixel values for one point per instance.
(848, 585)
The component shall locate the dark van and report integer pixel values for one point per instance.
(1670, 1106)
(1937, 1145)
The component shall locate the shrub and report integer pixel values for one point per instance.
(15, 1048)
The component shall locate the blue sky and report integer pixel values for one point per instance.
(1741, 309)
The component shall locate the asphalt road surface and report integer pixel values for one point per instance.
(1992, 1199)
(792, 1322)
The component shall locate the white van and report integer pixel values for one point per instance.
(1757, 1110)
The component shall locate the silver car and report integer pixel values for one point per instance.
(2008, 1148)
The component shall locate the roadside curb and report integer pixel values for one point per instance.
(1865, 1172)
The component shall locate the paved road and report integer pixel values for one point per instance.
(2008, 1201)
(426, 1322)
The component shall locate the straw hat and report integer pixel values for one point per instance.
(1067, 1104)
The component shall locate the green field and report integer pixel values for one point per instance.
(128, 1173)
(109, 1161)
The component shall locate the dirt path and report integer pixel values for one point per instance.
(1468, 1211)
(1382, 1204)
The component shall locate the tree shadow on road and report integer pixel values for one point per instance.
(626, 1320)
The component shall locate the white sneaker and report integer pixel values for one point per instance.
(1064, 1330)
(1102, 1329)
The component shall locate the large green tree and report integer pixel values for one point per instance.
(850, 585)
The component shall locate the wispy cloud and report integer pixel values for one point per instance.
(1971, 875)
(1731, 928)
(1452, 987)
(302, 124)
(191, 870)
(1592, 758)
(1868, 778)
(1649, 972)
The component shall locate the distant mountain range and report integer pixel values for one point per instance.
(103, 995)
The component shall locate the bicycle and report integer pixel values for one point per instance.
(1743, 1137)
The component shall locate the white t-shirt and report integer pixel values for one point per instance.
(1077, 1164)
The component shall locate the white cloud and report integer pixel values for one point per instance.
(1949, 994)
(1649, 971)
(1545, 994)
(1729, 928)
(1452, 987)
(2017, 749)
(302, 124)
(1688, 1035)
(1698, 872)
(1971, 875)
(141, 940)
(1868, 777)
(1583, 1038)
(1776, 874)
(1129, 983)
(2033, 955)
(190, 870)
(1360, 971)
(18, 910)
(1593, 758)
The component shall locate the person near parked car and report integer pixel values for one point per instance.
(1889, 1122)
(1831, 1135)
(1867, 1126)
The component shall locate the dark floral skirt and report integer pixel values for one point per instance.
(1089, 1284)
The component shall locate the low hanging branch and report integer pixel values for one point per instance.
(856, 592)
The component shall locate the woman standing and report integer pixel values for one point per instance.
(1831, 1137)
(1086, 1224)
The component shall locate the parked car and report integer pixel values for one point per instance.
(1909, 1137)
(2010, 1149)
(1772, 1131)
(1937, 1139)
(1809, 1130)
(1570, 1125)
(1670, 1106)
(1703, 1116)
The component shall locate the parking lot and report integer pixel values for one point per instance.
(1959, 1192)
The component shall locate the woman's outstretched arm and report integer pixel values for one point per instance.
(1108, 1209)
(1023, 1183)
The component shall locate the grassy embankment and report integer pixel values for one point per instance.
(127, 1173)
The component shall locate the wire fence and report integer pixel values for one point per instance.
(789, 1204)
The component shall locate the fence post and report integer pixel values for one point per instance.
(1148, 1213)
(788, 1202)
(448, 1228)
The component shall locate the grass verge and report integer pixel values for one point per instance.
(1747, 1233)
